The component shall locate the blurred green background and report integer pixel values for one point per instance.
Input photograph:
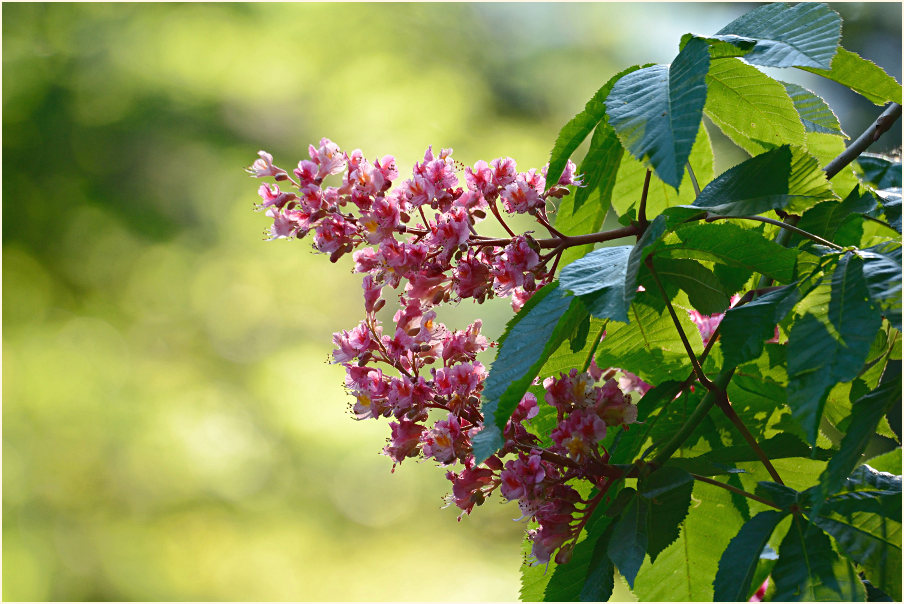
(171, 428)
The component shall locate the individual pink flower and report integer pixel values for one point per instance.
(464, 345)
(351, 344)
(468, 487)
(503, 171)
(446, 441)
(567, 177)
(272, 196)
(519, 197)
(332, 233)
(579, 433)
(372, 291)
(404, 441)
(471, 278)
(450, 230)
(327, 157)
(480, 179)
(264, 167)
(527, 408)
(522, 477)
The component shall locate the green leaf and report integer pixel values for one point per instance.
(879, 171)
(599, 166)
(751, 108)
(721, 47)
(770, 181)
(740, 558)
(649, 346)
(669, 491)
(565, 358)
(815, 115)
(779, 494)
(576, 130)
(632, 173)
(600, 572)
(802, 35)
(817, 359)
(602, 272)
(704, 290)
(866, 413)
(657, 111)
(745, 328)
(862, 76)
(825, 218)
(731, 244)
(873, 542)
(628, 447)
(882, 271)
(530, 338)
(809, 569)
(891, 206)
(866, 478)
(629, 539)
(684, 571)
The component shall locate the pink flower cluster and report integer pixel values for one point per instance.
(420, 238)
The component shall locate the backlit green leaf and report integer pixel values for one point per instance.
(751, 108)
(862, 76)
(813, 111)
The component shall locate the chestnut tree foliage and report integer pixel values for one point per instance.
(712, 410)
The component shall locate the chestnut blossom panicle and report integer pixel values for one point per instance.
(418, 237)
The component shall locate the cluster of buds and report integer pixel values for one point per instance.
(420, 238)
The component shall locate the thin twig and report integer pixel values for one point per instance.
(687, 345)
(779, 223)
(736, 490)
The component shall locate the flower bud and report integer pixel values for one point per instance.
(379, 304)
(479, 214)
(404, 217)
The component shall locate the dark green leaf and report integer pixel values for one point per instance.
(862, 76)
(745, 328)
(569, 580)
(751, 108)
(872, 541)
(866, 413)
(770, 181)
(815, 115)
(669, 491)
(809, 569)
(657, 111)
(816, 358)
(734, 245)
(599, 166)
(866, 478)
(601, 272)
(739, 561)
(704, 290)
(600, 572)
(891, 206)
(802, 35)
(778, 494)
(576, 130)
(629, 539)
(628, 447)
(879, 171)
(530, 338)
(882, 271)
(824, 219)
